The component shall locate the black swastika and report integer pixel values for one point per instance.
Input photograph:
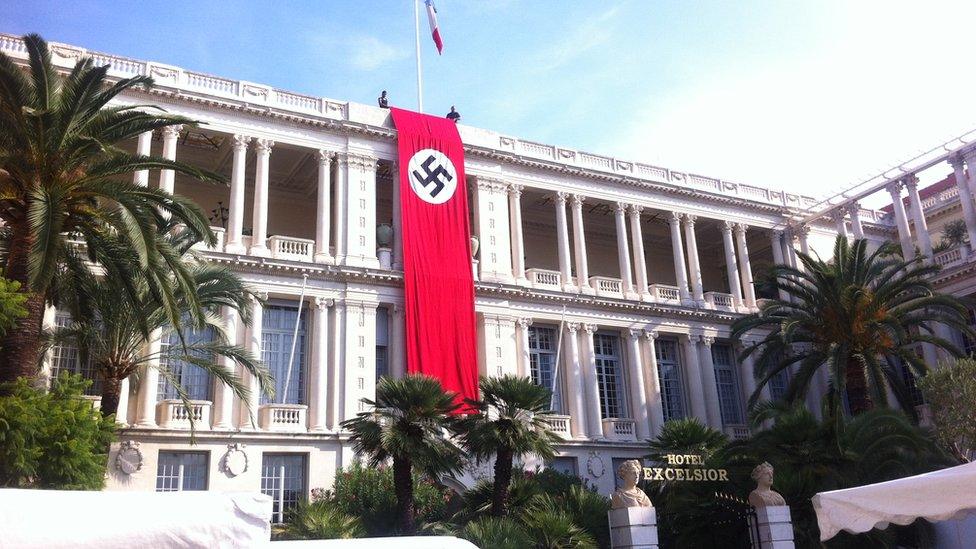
(433, 176)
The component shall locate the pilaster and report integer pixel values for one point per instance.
(360, 223)
(492, 224)
(359, 372)
(323, 206)
(259, 233)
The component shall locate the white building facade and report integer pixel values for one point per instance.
(643, 267)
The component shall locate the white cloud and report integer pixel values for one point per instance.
(369, 53)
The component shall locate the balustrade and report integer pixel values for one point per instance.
(559, 424)
(719, 300)
(283, 417)
(950, 257)
(542, 278)
(295, 249)
(619, 429)
(174, 415)
(665, 294)
(606, 286)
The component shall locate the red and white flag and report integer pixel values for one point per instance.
(434, 30)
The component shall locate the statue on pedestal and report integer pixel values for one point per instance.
(763, 495)
(629, 495)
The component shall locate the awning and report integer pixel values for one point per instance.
(935, 496)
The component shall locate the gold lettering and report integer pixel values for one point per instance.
(658, 473)
(669, 474)
(671, 459)
(698, 474)
(723, 474)
(648, 473)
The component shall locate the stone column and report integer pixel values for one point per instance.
(653, 382)
(801, 232)
(731, 264)
(340, 187)
(712, 406)
(253, 344)
(398, 331)
(678, 253)
(122, 414)
(575, 383)
(143, 148)
(638, 394)
(623, 253)
(594, 412)
(579, 241)
(562, 234)
(323, 206)
(747, 372)
(693, 375)
(223, 419)
(318, 373)
(745, 267)
(149, 384)
(965, 199)
(524, 368)
(235, 220)
(904, 233)
(518, 242)
(693, 265)
(337, 369)
(854, 210)
(918, 217)
(397, 221)
(640, 263)
(840, 224)
(259, 226)
(167, 178)
(776, 241)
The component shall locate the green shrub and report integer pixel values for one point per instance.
(52, 439)
(319, 520)
(495, 533)
(552, 528)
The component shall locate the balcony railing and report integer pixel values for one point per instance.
(295, 249)
(606, 286)
(718, 300)
(665, 294)
(173, 415)
(948, 196)
(619, 429)
(219, 232)
(559, 425)
(283, 417)
(737, 432)
(541, 278)
(95, 400)
(951, 257)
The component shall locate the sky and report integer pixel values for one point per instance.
(809, 96)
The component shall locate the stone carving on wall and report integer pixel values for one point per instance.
(764, 495)
(129, 458)
(595, 466)
(629, 495)
(235, 460)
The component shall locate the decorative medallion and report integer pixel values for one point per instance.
(235, 460)
(595, 465)
(129, 458)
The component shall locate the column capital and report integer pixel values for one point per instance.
(634, 333)
(324, 156)
(956, 161)
(853, 209)
(741, 228)
(514, 189)
(264, 146)
(491, 184)
(620, 208)
(894, 188)
(259, 296)
(684, 338)
(323, 303)
(727, 226)
(590, 328)
(361, 161)
(578, 200)
(778, 233)
(910, 182)
(706, 340)
(650, 333)
(690, 219)
(674, 218)
(172, 132)
(523, 322)
(969, 155)
(800, 231)
(241, 141)
(572, 327)
(562, 197)
(635, 210)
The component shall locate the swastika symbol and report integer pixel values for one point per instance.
(433, 176)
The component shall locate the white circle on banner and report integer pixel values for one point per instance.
(432, 176)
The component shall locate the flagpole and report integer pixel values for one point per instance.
(294, 340)
(555, 370)
(420, 87)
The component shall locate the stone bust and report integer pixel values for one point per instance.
(763, 495)
(629, 495)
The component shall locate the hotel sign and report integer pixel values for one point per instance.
(693, 474)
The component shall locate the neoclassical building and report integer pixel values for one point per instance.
(612, 281)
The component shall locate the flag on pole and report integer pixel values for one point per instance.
(434, 30)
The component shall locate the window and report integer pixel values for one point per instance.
(382, 342)
(65, 357)
(566, 465)
(194, 379)
(278, 327)
(283, 478)
(179, 471)
(606, 351)
(910, 381)
(778, 384)
(542, 361)
(669, 375)
(966, 343)
(726, 382)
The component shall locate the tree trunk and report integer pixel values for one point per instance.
(20, 347)
(403, 487)
(111, 392)
(858, 397)
(503, 477)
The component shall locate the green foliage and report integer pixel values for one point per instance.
(319, 520)
(859, 316)
(11, 304)
(367, 493)
(553, 528)
(950, 393)
(52, 439)
(954, 233)
(495, 533)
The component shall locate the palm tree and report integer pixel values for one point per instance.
(110, 328)
(859, 315)
(511, 421)
(321, 519)
(409, 423)
(62, 177)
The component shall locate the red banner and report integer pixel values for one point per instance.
(437, 279)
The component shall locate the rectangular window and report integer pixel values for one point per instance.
(194, 379)
(910, 382)
(609, 378)
(669, 375)
(382, 342)
(542, 361)
(566, 465)
(278, 327)
(179, 471)
(66, 357)
(726, 382)
(778, 384)
(283, 478)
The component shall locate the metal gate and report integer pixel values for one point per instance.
(721, 521)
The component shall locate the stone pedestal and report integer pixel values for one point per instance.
(633, 528)
(385, 256)
(775, 527)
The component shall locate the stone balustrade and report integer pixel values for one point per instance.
(619, 429)
(174, 415)
(543, 279)
(290, 248)
(283, 417)
(719, 300)
(559, 425)
(605, 286)
(664, 293)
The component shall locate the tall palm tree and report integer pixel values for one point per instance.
(511, 421)
(409, 423)
(109, 324)
(859, 316)
(63, 177)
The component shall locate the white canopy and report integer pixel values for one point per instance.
(61, 519)
(940, 495)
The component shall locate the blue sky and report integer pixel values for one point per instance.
(808, 96)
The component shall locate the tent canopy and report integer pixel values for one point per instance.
(939, 495)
